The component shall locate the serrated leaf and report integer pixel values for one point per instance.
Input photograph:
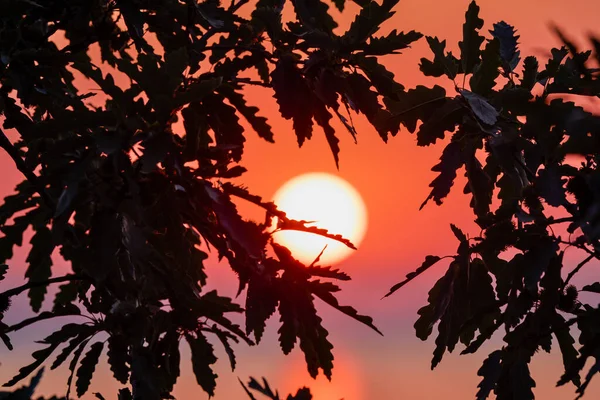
(40, 263)
(472, 40)
(314, 15)
(549, 184)
(362, 99)
(450, 162)
(382, 79)
(391, 43)
(202, 359)
(293, 95)
(567, 346)
(118, 358)
(484, 111)
(442, 64)
(530, 72)
(86, 333)
(258, 123)
(490, 371)
(509, 45)
(594, 288)
(322, 116)
(368, 20)
(87, 367)
(485, 73)
(324, 290)
(458, 233)
(444, 119)
(67, 294)
(415, 104)
(53, 340)
(429, 262)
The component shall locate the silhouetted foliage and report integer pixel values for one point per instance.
(528, 154)
(131, 199)
(92, 92)
(265, 390)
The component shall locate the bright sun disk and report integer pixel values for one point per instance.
(333, 204)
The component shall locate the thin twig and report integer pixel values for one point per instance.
(576, 269)
(21, 166)
(31, 285)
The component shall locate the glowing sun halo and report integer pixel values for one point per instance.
(333, 204)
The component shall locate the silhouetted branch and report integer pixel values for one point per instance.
(31, 177)
(31, 285)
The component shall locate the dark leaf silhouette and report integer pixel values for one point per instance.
(202, 359)
(472, 40)
(429, 261)
(87, 367)
(509, 45)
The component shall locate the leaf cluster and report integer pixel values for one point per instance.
(528, 154)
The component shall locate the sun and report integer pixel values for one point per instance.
(329, 202)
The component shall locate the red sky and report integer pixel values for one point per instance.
(393, 180)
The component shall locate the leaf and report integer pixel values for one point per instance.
(324, 290)
(530, 72)
(259, 124)
(382, 79)
(3, 271)
(552, 66)
(66, 295)
(450, 162)
(362, 98)
(368, 21)
(314, 15)
(480, 107)
(458, 233)
(509, 45)
(118, 358)
(550, 186)
(472, 40)
(567, 345)
(391, 43)
(54, 340)
(327, 272)
(444, 119)
(85, 334)
(442, 64)
(40, 263)
(202, 358)
(416, 104)
(87, 367)
(264, 389)
(484, 76)
(490, 371)
(594, 288)
(480, 185)
(322, 117)
(438, 299)
(293, 96)
(224, 338)
(429, 261)
(301, 394)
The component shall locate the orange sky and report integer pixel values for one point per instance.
(393, 180)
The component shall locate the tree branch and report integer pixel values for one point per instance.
(577, 268)
(31, 285)
(29, 175)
